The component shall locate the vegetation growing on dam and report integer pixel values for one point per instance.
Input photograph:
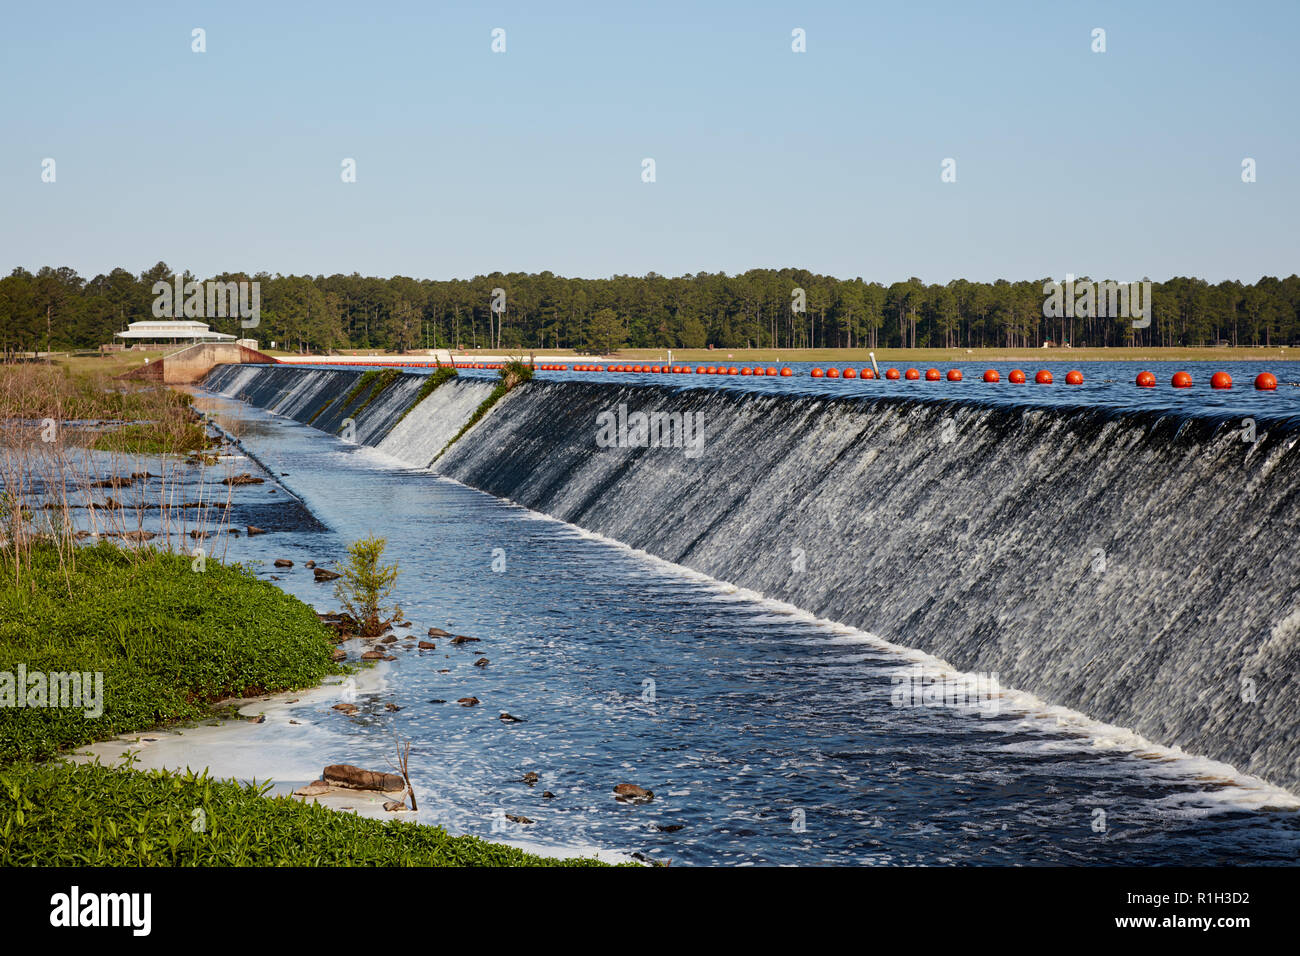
(513, 374)
(371, 384)
(90, 815)
(167, 638)
(445, 373)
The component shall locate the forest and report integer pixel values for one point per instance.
(57, 309)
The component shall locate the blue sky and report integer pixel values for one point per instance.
(1125, 163)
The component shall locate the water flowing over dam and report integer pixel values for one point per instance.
(1140, 567)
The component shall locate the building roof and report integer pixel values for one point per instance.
(172, 329)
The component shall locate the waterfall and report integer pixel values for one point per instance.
(1139, 567)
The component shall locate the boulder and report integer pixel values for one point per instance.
(467, 701)
(462, 639)
(516, 819)
(428, 646)
(438, 632)
(313, 789)
(346, 708)
(323, 575)
(252, 530)
(373, 656)
(631, 793)
(283, 563)
(338, 654)
(481, 662)
(354, 778)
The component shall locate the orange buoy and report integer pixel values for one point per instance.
(1074, 378)
(785, 372)
(932, 375)
(1266, 382)
(700, 370)
(1146, 380)
(817, 373)
(1016, 377)
(1044, 377)
(850, 373)
(832, 373)
(654, 368)
(954, 375)
(911, 375)
(1221, 380)
(733, 371)
(773, 371)
(1181, 380)
(868, 373)
(746, 371)
(992, 376)
(891, 373)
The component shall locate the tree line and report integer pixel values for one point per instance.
(55, 308)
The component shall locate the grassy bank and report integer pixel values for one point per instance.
(89, 815)
(168, 640)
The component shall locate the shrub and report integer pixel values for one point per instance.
(367, 585)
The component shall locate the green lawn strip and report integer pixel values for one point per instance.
(90, 815)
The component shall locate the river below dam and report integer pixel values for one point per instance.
(769, 736)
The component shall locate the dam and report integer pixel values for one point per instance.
(1134, 566)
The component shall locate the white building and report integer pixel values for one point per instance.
(171, 332)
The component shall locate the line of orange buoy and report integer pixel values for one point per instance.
(1264, 381)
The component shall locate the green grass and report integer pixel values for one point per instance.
(169, 640)
(152, 438)
(370, 385)
(91, 815)
(384, 378)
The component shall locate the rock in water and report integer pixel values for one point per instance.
(283, 563)
(467, 701)
(252, 530)
(323, 575)
(631, 793)
(438, 632)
